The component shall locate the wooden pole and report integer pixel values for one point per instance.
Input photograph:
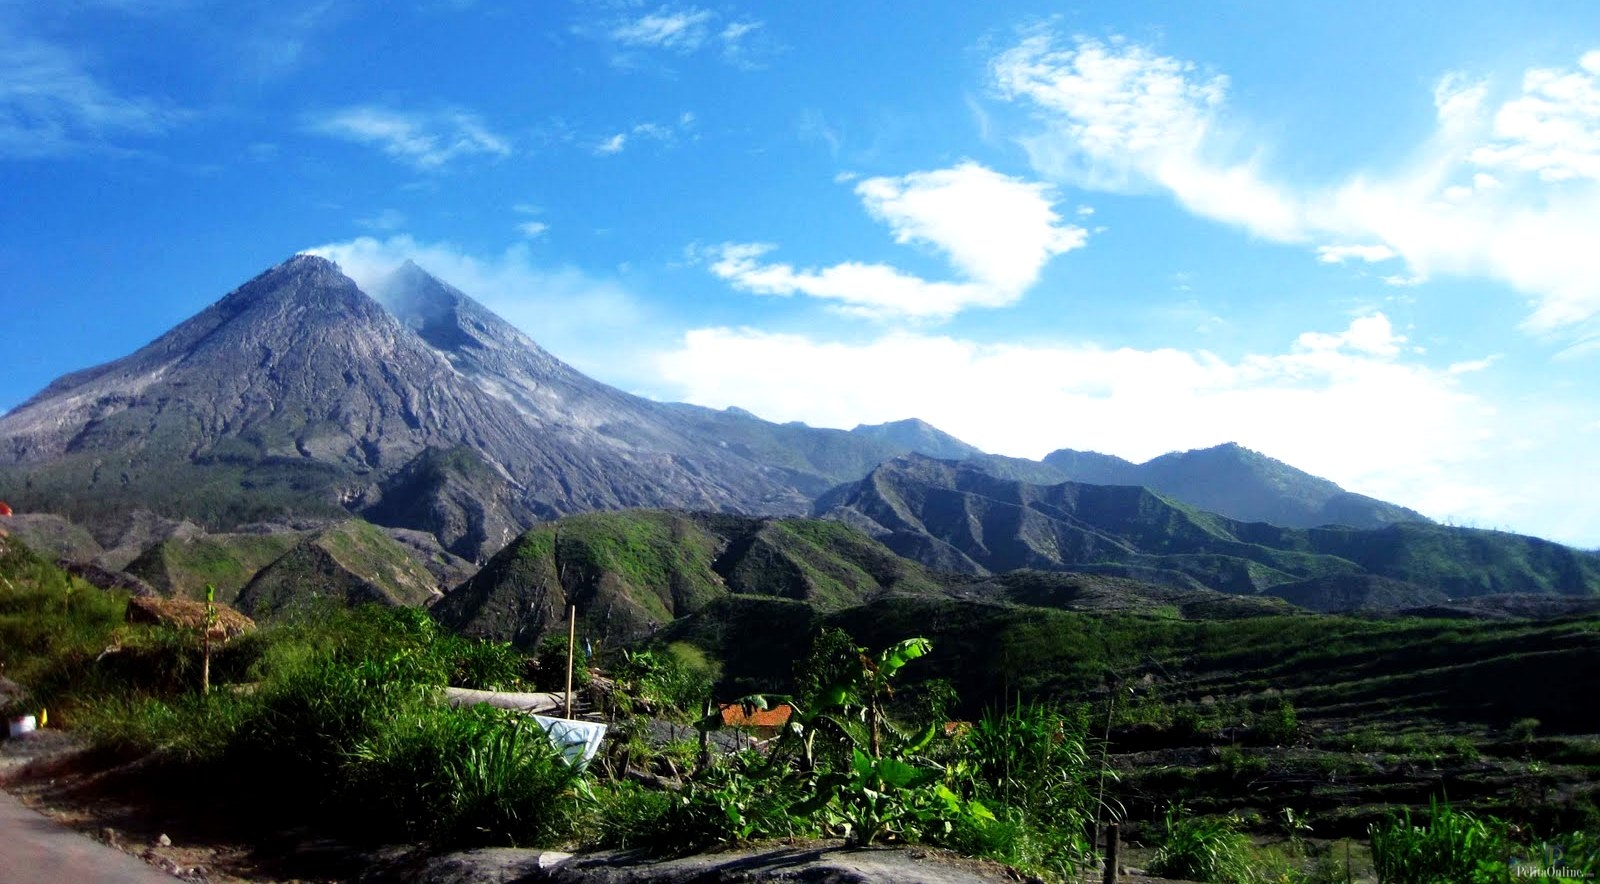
(1113, 847)
(572, 638)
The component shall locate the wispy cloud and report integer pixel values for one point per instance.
(660, 133)
(680, 30)
(1371, 254)
(685, 30)
(996, 231)
(50, 103)
(1507, 188)
(424, 140)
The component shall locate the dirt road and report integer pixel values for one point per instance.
(35, 849)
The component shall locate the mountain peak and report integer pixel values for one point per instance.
(919, 436)
(306, 260)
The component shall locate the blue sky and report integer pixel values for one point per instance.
(1359, 238)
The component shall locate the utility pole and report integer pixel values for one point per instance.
(572, 647)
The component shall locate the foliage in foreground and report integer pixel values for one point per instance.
(1209, 849)
(1458, 846)
(346, 710)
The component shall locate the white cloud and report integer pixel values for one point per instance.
(1553, 128)
(997, 232)
(533, 229)
(1509, 191)
(1473, 365)
(1346, 405)
(736, 31)
(875, 290)
(1339, 254)
(612, 145)
(424, 140)
(1121, 118)
(51, 104)
(1402, 281)
(1371, 335)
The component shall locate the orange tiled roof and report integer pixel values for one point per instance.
(733, 715)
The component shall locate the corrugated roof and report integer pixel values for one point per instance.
(733, 715)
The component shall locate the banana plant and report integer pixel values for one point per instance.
(879, 792)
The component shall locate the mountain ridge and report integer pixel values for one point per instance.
(951, 515)
(1234, 481)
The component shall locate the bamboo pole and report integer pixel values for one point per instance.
(572, 639)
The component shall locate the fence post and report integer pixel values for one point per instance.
(1113, 847)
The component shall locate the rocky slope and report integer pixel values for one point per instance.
(1236, 482)
(952, 516)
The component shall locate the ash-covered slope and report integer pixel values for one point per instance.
(1236, 482)
(952, 516)
(298, 397)
(283, 397)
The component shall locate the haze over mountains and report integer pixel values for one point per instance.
(301, 399)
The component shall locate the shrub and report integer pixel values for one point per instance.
(1206, 849)
(463, 776)
(625, 814)
(1279, 725)
(485, 665)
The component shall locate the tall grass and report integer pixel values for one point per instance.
(469, 776)
(1208, 849)
(1459, 846)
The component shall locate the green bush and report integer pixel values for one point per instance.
(486, 665)
(1279, 725)
(1206, 849)
(739, 798)
(463, 776)
(346, 720)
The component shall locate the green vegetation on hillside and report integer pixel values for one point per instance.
(185, 566)
(632, 572)
(351, 562)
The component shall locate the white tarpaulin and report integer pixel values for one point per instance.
(577, 741)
